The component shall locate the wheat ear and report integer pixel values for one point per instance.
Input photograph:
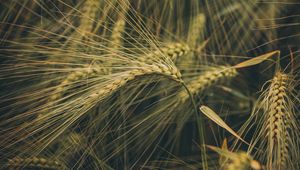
(116, 35)
(116, 42)
(89, 11)
(279, 119)
(172, 51)
(119, 26)
(206, 80)
(72, 78)
(196, 30)
(275, 140)
(84, 31)
(34, 162)
(159, 69)
(125, 77)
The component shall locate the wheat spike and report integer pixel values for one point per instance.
(278, 122)
(71, 79)
(172, 50)
(119, 26)
(118, 30)
(207, 79)
(196, 30)
(173, 74)
(89, 11)
(275, 140)
(85, 29)
(34, 162)
(116, 35)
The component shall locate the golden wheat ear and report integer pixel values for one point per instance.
(275, 140)
(208, 79)
(89, 10)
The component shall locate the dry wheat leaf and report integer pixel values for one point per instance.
(214, 117)
(256, 60)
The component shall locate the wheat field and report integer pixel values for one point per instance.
(150, 84)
